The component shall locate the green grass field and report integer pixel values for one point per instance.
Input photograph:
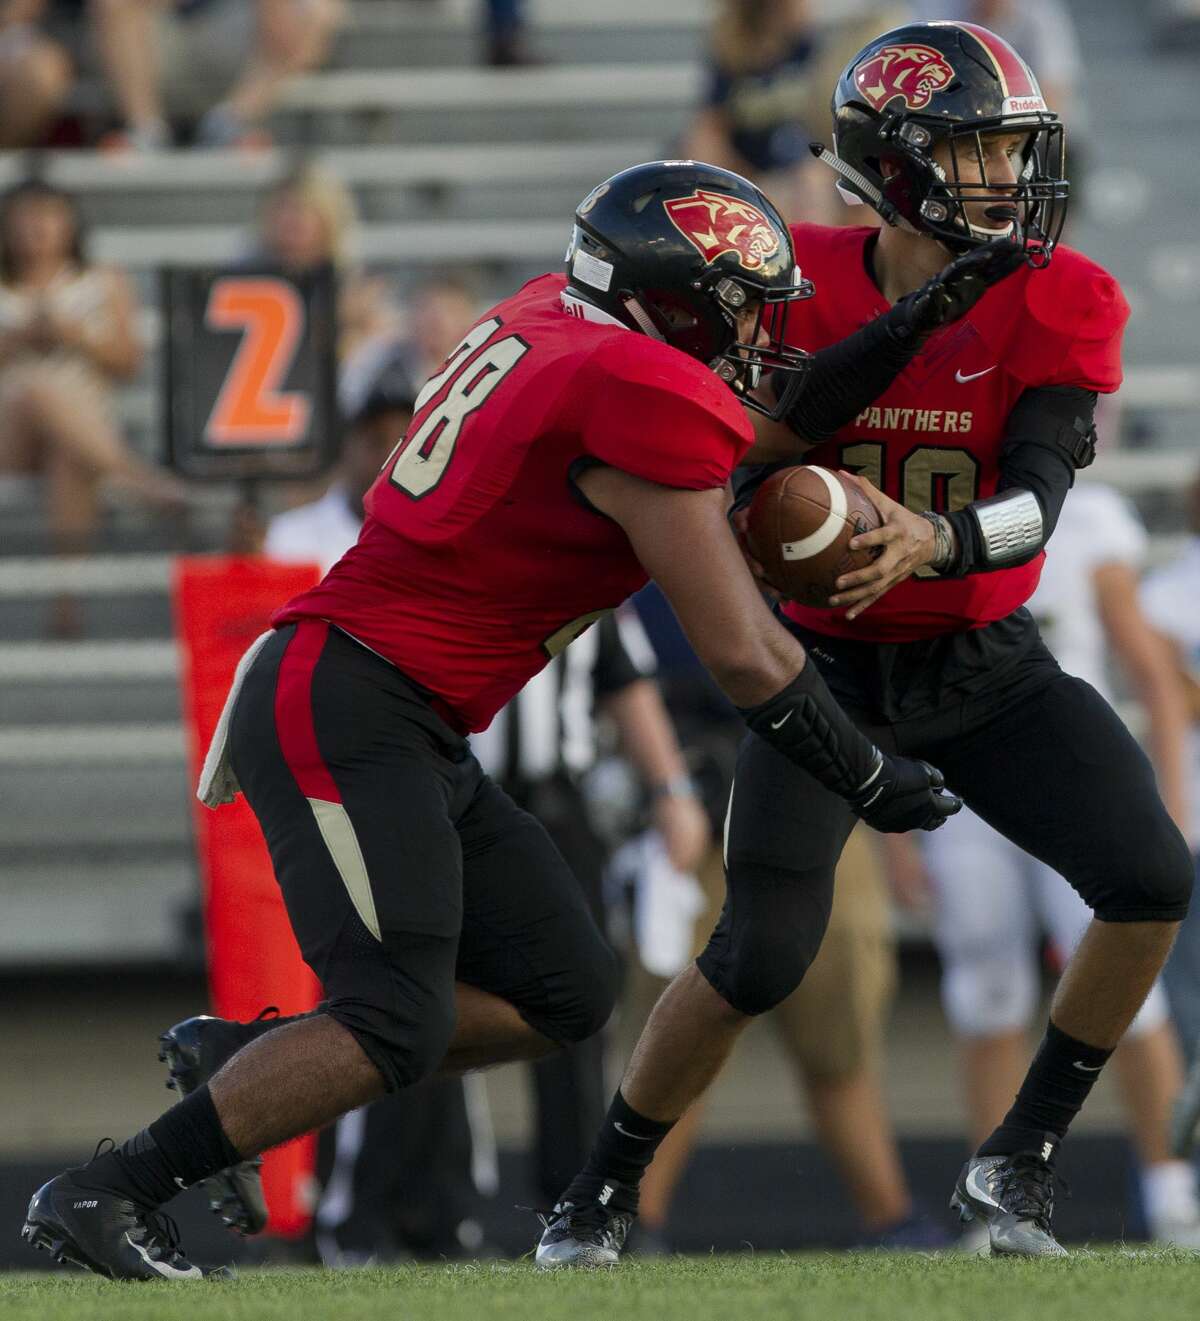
(1099, 1286)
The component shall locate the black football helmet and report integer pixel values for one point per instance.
(926, 83)
(678, 250)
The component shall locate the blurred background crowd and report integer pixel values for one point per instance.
(428, 155)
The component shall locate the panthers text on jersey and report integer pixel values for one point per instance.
(932, 439)
(479, 560)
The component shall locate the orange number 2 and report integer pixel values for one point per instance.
(250, 408)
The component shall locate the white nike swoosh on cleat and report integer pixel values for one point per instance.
(962, 378)
(165, 1269)
(977, 1188)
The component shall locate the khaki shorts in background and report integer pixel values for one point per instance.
(832, 1025)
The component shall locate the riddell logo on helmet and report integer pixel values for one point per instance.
(1022, 105)
(715, 223)
(913, 72)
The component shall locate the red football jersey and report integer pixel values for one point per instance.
(478, 560)
(932, 439)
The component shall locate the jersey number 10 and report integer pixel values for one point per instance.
(425, 452)
(930, 477)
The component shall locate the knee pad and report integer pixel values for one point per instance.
(769, 932)
(582, 1002)
(984, 996)
(406, 1045)
(1154, 884)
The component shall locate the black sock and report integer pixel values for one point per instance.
(1056, 1086)
(624, 1148)
(182, 1146)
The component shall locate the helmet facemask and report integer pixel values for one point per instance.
(699, 258)
(1034, 206)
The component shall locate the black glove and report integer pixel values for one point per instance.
(905, 795)
(954, 291)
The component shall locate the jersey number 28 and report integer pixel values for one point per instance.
(426, 452)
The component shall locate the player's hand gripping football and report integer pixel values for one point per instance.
(905, 795)
(908, 543)
(956, 289)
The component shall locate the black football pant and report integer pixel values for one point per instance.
(403, 867)
(1037, 754)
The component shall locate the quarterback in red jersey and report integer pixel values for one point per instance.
(934, 439)
(967, 437)
(580, 438)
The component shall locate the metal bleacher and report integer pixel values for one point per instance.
(447, 160)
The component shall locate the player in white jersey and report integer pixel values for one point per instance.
(993, 901)
(1169, 597)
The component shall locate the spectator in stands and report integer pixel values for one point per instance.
(1169, 598)
(758, 106)
(68, 333)
(506, 42)
(35, 74)
(769, 66)
(308, 221)
(228, 60)
(322, 531)
(439, 314)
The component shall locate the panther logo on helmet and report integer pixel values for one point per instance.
(913, 72)
(715, 223)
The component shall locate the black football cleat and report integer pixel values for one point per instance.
(193, 1051)
(586, 1235)
(106, 1233)
(1014, 1197)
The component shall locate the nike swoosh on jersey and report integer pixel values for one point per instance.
(962, 378)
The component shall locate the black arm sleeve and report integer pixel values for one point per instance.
(847, 377)
(1050, 434)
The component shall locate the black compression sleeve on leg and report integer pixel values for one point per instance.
(848, 376)
(1055, 1088)
(807, 725)
(624, 1148)
(182, 1146)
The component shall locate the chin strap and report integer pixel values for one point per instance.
(885, 208)
(642, 317)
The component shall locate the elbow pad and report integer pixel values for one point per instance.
(805, 723)
(1011, 527)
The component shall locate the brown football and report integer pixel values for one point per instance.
(801, 520)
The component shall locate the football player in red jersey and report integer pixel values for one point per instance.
(968, 450)
(580, 438)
